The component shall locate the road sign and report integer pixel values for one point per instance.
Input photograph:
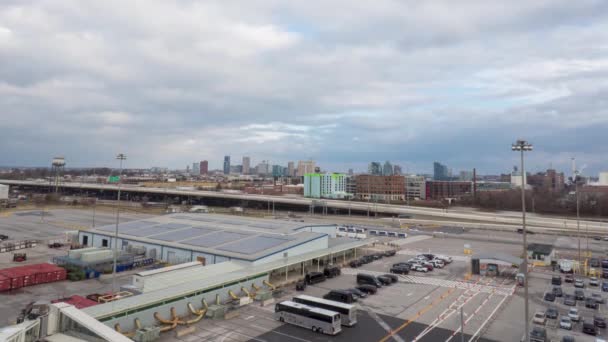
(113, 179)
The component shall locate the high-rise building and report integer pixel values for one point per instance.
(291, 170)
(375, 168)
(351, 172)
(440, 171)
(387, 170)
(263, 168)
(203, 167)
(246, 165)
(226, 165)
(277, 171)
(304, 167)
(196, 169)
(397, 170)
(325, 185)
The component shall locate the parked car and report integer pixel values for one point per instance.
(403, 264)
(597, 238)
(355, 263)
(341, 296)
(357, 292)
(3, 237)
(368, 279)
(568, 338)
(301, 285)
(428, 265)
(539, 318)
(594, 262)
(591, 303)
(385, 280)
(390, 253)
(569, 278)
(598, 298)
(315, 277)
(549, 297)
(392, 277)
(605, 286)
(565, 322)
(400, 269)
(420, 268)
(538, 334)
(599, 321)
(369, 289)
(444, 258)
(551, 313)
(579, 294)
(589, 328)
(557, 291)
(579, 283)
(437, 263)
(569, 300)
(556, 280)
(332, 271)
(366, 259)
(573, 314)
(593, 281)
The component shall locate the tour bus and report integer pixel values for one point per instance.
(316, 319)
(347, 312)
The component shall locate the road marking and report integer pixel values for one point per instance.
(381, 322)
(410, 294)
(226, 336)
(488, 319)
(249, 317)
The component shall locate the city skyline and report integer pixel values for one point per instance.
(285, 83)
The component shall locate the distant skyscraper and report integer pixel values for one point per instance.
(203, 168)
(263, 168)
(375, 168)
(350, 172)
(226, 165)
(440, 171)
(246, 164)
(305, 167)
(387, 170)
(291, 171)
(196, 169)
(397, 170)
(277, 171)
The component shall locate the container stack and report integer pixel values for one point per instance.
(22, 276)
(79, 302)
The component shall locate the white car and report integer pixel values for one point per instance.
(565, 322)
(593, 281)
(420, 268)
(444, 258)
(540, 318)
(573, 314)
(437, 263)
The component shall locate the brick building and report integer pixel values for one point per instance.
(438, 190)
(380, 188)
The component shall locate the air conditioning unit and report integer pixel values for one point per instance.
(147, 334)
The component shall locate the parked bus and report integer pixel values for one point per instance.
(316, 319)
(347, 312)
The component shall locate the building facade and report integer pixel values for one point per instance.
(226, 165)
(415, 188)
(246, 165)
(304, 167)
(380, 188)
(291, 170)
(438, 190)
(325, 185)
(203, 167)
(550, 180)
(196, 169)
(440, 171)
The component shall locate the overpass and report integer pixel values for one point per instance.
(505, 219)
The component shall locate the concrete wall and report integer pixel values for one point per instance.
(314, 245)
(146, 317)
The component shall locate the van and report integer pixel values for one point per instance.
(315, 277)
(332, 271)
(368, 279)
(341, 296)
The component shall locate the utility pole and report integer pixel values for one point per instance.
(120, 157)
(461, 324)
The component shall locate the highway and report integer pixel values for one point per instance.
(498, 219)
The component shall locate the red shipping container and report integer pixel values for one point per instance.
(5, 283)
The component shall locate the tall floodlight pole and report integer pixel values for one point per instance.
(120, 157)
(523, 146)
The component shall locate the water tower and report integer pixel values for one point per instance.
(58, 167)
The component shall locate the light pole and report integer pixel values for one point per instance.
(523, 146)
(120, 157)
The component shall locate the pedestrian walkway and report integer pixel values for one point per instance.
(420, 251)
(463, 285)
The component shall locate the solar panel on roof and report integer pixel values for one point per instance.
(146, 231)
(265, 225)
(123, 227)
(183, 234)
(173, 225)
(214, 239)
(253, 245)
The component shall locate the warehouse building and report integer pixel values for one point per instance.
(213, 239)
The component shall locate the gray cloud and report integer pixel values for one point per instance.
(170, 82)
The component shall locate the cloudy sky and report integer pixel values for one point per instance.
(342, 82)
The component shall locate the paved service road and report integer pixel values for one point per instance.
(367, 329)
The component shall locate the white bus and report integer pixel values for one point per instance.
(347, 312)
(316, 319)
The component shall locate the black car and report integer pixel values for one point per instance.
(594, 262)
(599, 321)
(557, 291)
(369, 289)
(315, 277)
(568, 338)
(538, 334)
(393, 277)
(589, 328)
(579, 294)
(368, 279)
(400, 269)
(385, 280)
(332, 271)
(551, 313)
(402, 264)
(549, 297)
(301, 285)
(390, 253)
(366, 259)
(356, 292)
(597, 238)
(342, 296)
(591, 303)
(556, 280)
(377, 256)
(355, 263)
(3, 237)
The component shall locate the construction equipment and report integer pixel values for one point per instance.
(19, 257)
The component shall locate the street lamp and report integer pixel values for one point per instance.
(120, 157)
(523, 146)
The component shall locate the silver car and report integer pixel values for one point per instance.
(565, 323)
